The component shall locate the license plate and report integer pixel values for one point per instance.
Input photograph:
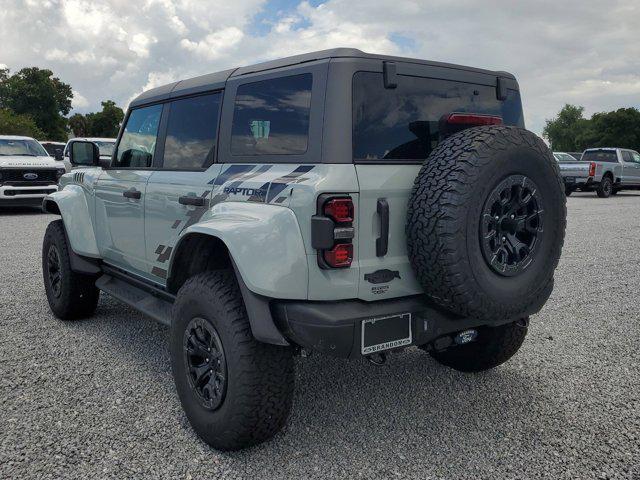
(384, 333)
(570, 179)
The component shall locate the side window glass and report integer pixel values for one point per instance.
(138, 141)
(636, 157)
(626, 156)
(271, 117)
(191, 133)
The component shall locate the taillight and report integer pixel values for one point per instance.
(339, 256)
(592, 169)
(332, 231)
(473, 119)
(339, 209)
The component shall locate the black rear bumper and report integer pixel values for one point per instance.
(334, 328)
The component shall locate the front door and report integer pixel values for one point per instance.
(179, 191)
(121, 192)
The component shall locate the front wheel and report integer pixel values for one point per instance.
(605, 189)
(493, 347)
(235, 391)
(71, 295)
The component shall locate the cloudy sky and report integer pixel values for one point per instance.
(562, 51)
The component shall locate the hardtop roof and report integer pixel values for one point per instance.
(217, 80)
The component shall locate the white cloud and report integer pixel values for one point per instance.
(79, 101)
(583, 52)
(216, 44)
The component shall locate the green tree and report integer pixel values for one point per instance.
(107, 122)
(564, 130)
(620, 128)
(37, 93)
(14, 124)
(79, 125)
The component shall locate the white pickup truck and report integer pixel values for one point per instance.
(27, 172)
(605, 170)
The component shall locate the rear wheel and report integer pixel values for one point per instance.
(235, 391)
(486, 223)
(605, 189)
(71, 295)
(493, 347)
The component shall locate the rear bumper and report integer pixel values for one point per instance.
(335, 328)
(579, 182)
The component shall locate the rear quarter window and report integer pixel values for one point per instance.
(403, 123)
(271, 117)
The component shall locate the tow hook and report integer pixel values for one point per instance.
(378, 359)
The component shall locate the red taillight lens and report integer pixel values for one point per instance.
(339, 256)
(592, 169)
(339, 209)
(473, 119)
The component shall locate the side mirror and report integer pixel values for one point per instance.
(84, 154)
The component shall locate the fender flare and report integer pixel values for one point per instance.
(71, 204)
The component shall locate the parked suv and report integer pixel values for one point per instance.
(336, 202)
(27, 172)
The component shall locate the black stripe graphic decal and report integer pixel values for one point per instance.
(231, 173)
(159, 272)
(164, 253)
(279, 184)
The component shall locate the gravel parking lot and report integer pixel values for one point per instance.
(95, 398)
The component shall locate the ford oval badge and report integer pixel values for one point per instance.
(30, 176)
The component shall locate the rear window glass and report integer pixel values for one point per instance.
(404, 123)
(271, 117)
(600, 156)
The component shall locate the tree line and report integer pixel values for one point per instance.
(34, 103)
(569, 131)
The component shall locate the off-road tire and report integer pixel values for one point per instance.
(493, 347)
(76, 295)
(605, 189)
(444, 219)
(260, 377)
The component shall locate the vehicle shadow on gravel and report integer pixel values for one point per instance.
(351, 408)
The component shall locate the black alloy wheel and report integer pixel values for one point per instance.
(54, 271)
(205, 363)
(511, 225)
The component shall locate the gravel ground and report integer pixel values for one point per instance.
(95, 398)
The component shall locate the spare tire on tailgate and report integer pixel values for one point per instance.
(486, 222)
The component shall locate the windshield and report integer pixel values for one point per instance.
(28, 148)
(564, 157)
(106, 148)
(600, 156)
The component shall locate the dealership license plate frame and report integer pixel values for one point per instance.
(374, 329)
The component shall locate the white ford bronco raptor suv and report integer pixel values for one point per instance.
(335, 202)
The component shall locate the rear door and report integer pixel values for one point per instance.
(120, 192)
(179, 189)
(395, 128)
(630, 168)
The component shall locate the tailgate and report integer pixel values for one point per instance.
(574, 169)
(384, 274)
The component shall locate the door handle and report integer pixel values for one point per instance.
(191, 200)
(133, 193)
(382, 242)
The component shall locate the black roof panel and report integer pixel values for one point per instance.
(217, 80)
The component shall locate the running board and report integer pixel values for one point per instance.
(142, 300)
